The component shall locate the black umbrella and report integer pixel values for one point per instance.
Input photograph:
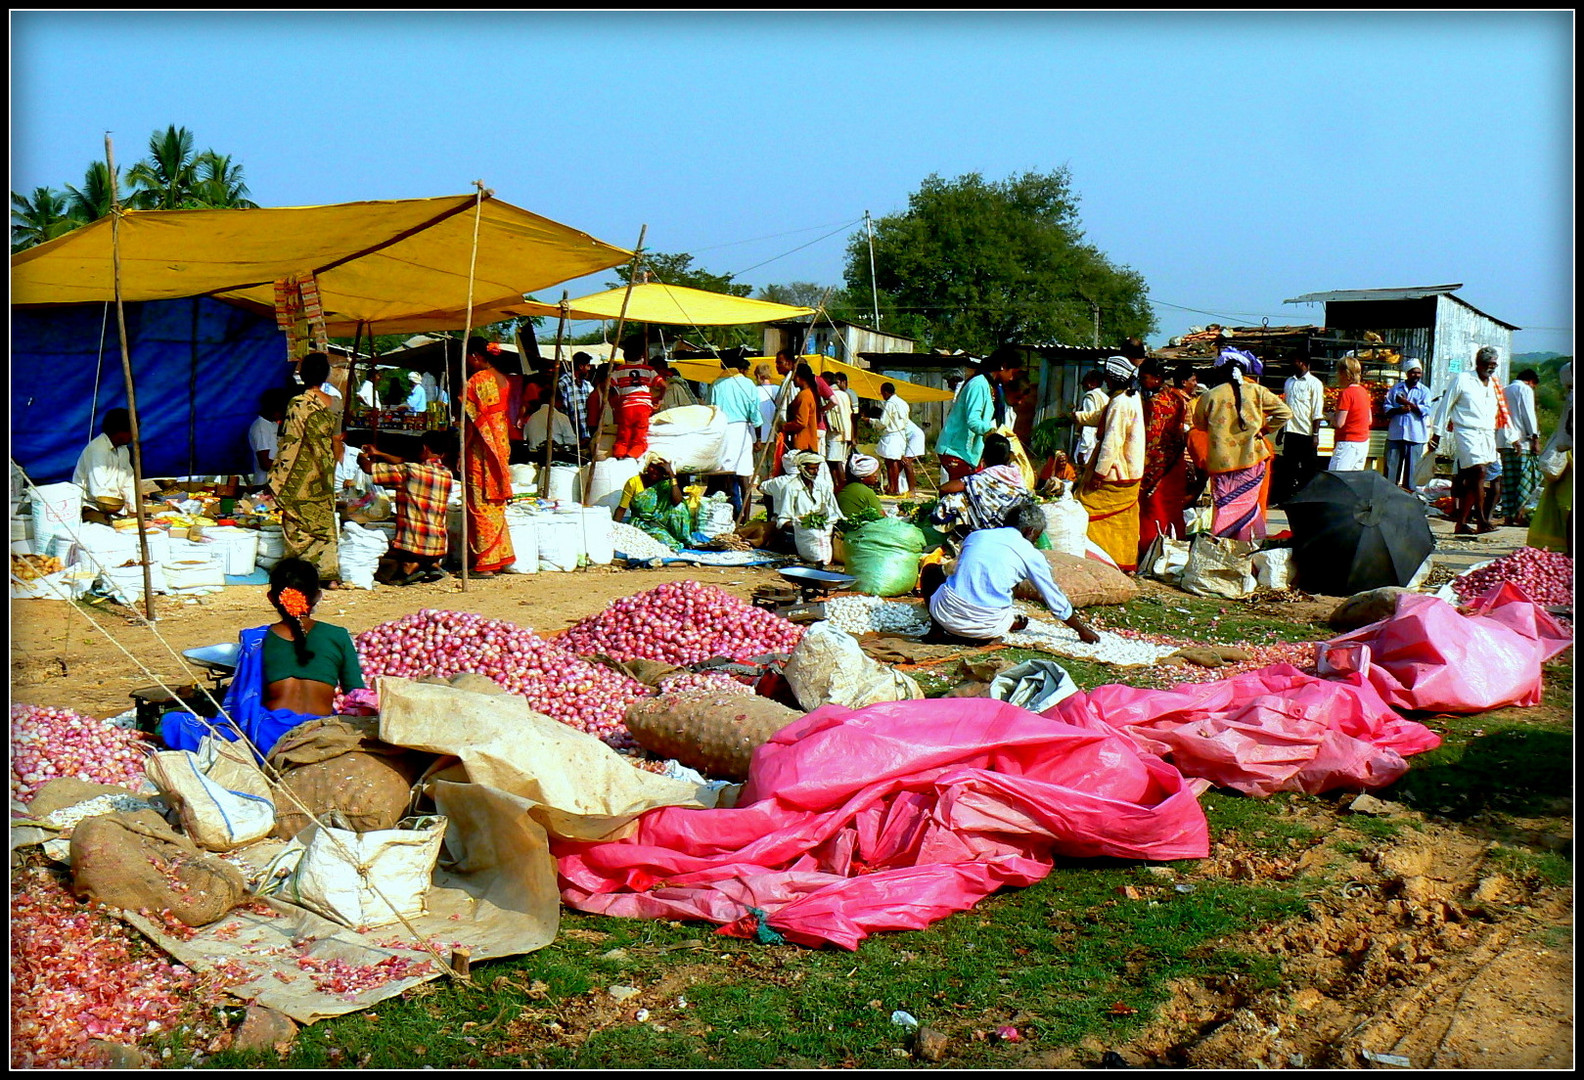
(1354, 531)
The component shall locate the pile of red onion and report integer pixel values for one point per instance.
(589, 697)
(1546, 577)
(76, 976)
(705, 682)
(47, 744)
(682, 622)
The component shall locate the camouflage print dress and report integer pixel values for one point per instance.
(303, 480)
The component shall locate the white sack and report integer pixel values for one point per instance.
(828, 667)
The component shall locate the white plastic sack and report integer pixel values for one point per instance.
(690, 437)
(101, 547)
(828, 667)
(57, 508)
(608, 477)
(1066, 524)
(1198, 520)
(1273, 569)
(1220, 568)
(330, 878)
(56, 586)
(218, 791)
(1424, 469)
(716, 516)
(1034, 685)
(559, 541)
(1553, 463)
(1165, 559)
(814, 544)
(524, 530)
(359, 554)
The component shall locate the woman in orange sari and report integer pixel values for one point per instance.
(487, 483)
(1164, 488)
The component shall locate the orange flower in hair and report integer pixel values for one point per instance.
(493, 348)
(294, 603)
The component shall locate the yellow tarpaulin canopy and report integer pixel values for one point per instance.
(866, 384)
(676, 305)
(397, 266)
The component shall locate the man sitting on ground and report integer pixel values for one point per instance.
(975, 603)
(104, 469)
(422, 490)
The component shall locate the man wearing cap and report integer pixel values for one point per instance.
(804, 488)
(1407, 411)
(1474, 410)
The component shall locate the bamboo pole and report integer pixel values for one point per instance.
(126, 371)
(478, 213)
(544, 479)
(621, 320)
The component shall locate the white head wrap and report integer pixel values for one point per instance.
(1119, 367)
(1412, 364)
(862, 465)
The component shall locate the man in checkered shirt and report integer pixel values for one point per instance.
(423, 489)
(574, 389)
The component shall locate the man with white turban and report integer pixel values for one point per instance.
(804, 488)
(1407, 411)
(863, 477)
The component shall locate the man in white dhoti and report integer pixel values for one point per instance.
(975, 603)
(737, 398)
(893, 445)
(1470, 407)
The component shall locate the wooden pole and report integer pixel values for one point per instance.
(544, 479)
(478, 212)
(621, 320)
(126, 371)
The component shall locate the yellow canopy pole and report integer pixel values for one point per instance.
(544, 479)
(621, 320)
(478, 212)
(126, 371)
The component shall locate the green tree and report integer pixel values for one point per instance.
(219, 182)
(92, 201)
(973, 264)
(42, 216)
(165, 180)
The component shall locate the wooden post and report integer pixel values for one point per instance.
(478, 212)
(126, 371)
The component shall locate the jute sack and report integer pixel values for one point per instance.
(136, 862)
(715, 732)
(1085, 581)
(338, 764)
(1220, 568)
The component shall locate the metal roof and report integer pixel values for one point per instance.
(1412, 292)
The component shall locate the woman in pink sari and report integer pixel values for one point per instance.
(1235, 415)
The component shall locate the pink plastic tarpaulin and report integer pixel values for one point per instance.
(891, 817)
(1261, 732)
(1430, 657)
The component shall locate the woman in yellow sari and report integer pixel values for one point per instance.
(487, 484)
(302, 477)
(1110, 488)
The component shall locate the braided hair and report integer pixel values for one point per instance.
(294, 590)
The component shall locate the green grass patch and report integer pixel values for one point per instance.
(1265, 824)
(1199, 619)
(1535, 867)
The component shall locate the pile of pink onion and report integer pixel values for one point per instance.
(589, 697)
(682, 622)
(76, 975)
(47, 744)
(1546, 577)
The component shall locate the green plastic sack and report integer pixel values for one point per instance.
(884, 556)
(1043, 543)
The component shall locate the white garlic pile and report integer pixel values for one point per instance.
(872, 614)
(634, 543)
(1062, 640)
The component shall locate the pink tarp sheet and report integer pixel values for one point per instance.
(891, 817)
(1261, 732)
(1429, 657)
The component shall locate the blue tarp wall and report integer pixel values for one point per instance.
(199, 367)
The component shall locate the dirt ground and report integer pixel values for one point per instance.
(1423, 949)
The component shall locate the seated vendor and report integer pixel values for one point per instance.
(423, 488)
(981, 499)
(653, 500)
(104, 469)
(863, 477)
(804, 488)
(305, 661)
(544, 415)
(975, 603)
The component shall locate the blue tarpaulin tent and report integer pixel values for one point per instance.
(199, 367)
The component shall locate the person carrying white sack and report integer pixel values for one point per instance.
(975, 603)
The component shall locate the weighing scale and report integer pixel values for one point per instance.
(802, 600)
(219, 663)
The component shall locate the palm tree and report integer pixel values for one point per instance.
(219, 183)
(92, 201)
(38, 218)
(165, 179)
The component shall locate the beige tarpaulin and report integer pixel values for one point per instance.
(866, 384)
(397, 266)
(519, 777)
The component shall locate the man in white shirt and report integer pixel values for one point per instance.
(104, 469)
(1087, 416)
(1520, 461)
(1469, 409)
(263, 436)
(892, 447)
(1297, 463)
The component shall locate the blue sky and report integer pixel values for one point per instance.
(1232, 159)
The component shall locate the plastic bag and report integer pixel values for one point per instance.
(690, 437)
(884, 556)
(339, 870)
(716, 517)
(1553, 463)
(1219, 567)
(222, 797)
(828, 667)
(1424, 469)
(813, 544)
(1035, 685)
(1273, 568)
(1165, 559)
(359, 554)
(1066, 523)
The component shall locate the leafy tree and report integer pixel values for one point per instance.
(973, 264)
(42, 216)
(798, 294)
(219, 182)
(165, 180)
(92, 201)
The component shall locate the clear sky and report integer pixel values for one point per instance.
(1233, 159)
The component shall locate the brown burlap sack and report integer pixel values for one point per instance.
(470, 681)
(715, 733)
(69, 791)
(136, 862)
(1085, 581)
(338, 764)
